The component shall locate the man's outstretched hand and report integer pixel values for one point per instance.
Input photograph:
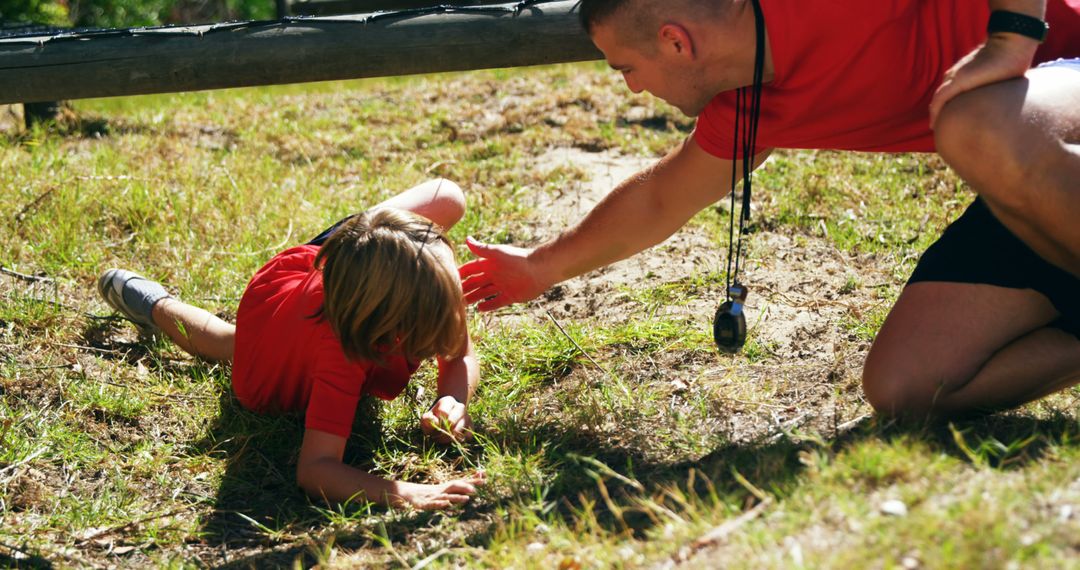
(1003, 56)
(501, 275)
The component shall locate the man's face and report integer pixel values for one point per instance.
(662, 73)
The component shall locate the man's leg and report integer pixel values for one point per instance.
(1015, 143)
(956, 348)
(438, 200)
(195, 330)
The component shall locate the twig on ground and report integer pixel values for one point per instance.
(22, 213)
(108, 178)
(14, 466)
(784, 429)
(25, 277)
(606, 470)
(90, 348)
(576, 345)
(852, 423)
(427, 561)
(720, 533)
(132, 524)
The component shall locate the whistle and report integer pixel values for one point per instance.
(729, 323)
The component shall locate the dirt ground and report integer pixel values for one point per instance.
(801, 291)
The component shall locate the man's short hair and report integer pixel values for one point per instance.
(643, 17)
(594, 12)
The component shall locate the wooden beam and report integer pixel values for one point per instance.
(338, 7)
(160, 60)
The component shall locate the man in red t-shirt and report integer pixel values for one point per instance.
(990, 319)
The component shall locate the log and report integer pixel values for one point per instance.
(338, 7)
(107, 63)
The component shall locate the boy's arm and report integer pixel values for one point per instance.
(448, 418)
(321, 473)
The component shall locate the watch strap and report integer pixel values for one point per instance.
(1015, 23)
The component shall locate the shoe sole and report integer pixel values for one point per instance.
(115, 299)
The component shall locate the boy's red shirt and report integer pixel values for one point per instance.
(288, 360)
(860, 74)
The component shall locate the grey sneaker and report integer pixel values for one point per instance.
(131, 295)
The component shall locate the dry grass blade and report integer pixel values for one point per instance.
(720, 533)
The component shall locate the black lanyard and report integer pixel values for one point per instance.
(729, 323)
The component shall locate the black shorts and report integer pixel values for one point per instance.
(325, 235)
(977, 248)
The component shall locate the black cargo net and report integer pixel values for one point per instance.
(43, 34)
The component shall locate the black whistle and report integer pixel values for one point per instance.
(729, 324)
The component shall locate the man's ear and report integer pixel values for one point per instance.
(675, 40)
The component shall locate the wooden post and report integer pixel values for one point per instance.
(283, 8)
(160, 60)
(41, 111)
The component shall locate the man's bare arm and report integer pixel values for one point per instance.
(641, 212)
(1004, 56)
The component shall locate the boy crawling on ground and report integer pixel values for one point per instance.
(350, 313)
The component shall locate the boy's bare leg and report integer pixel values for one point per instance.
(438, 200)
(1015, 143)
(195, 330)
(955, 348)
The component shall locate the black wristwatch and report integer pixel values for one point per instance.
(1012, 22)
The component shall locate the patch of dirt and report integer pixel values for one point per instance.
(798, 292)
(802, 289)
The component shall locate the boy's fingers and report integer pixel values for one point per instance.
(460, 487)
(478, 479)
(457, 499)
(436, 505)
(428, 422)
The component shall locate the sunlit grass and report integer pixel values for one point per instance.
(612, 441)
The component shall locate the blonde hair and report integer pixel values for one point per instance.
(387, 291)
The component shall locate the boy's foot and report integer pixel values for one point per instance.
(132, 295)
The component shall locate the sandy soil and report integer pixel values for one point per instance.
(801, 294)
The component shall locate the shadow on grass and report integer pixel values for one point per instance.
(258, 511)
(771, 466)
(1000, 441)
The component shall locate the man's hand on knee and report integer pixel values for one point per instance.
(1002, 57)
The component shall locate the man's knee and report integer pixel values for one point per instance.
(893, 391)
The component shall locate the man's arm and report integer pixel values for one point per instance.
(1004, 56)
(641, 212)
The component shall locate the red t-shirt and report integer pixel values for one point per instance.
(859, 74)
(286, 361)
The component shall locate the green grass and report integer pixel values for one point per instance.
(610, 439)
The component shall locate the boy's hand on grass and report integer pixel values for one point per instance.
(447, 420)
(438, 496)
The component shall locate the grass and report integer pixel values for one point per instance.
(612, 437)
